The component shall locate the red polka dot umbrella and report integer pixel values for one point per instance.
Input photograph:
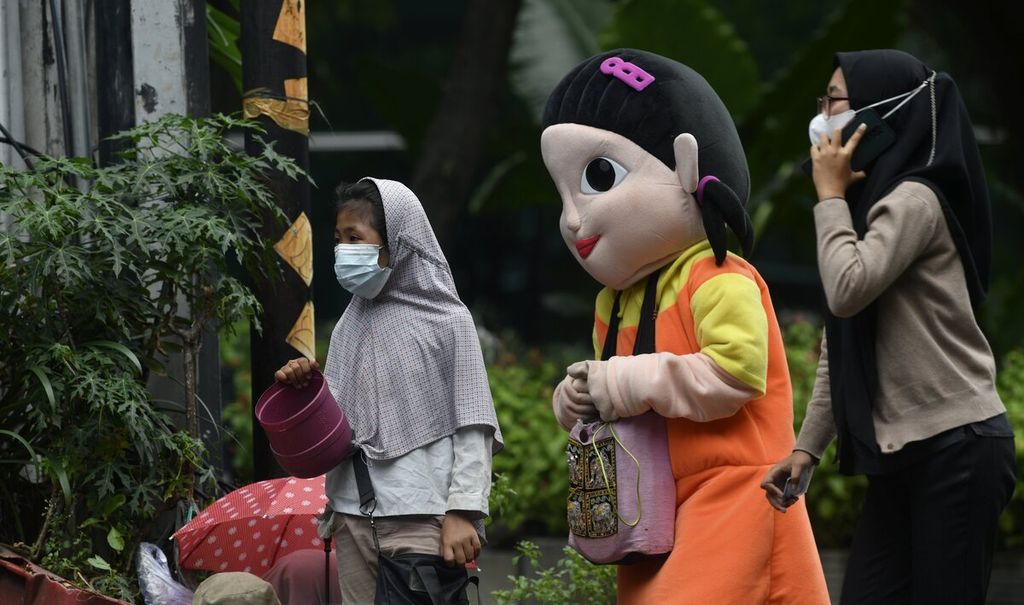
(255, 525)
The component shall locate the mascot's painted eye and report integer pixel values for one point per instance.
(600, 175)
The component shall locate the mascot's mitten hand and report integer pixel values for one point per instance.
(572, 401)
(593, 374)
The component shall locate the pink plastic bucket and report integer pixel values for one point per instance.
(308, 433)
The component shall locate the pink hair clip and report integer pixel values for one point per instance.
(630, 73)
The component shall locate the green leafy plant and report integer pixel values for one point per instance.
(237, 414)
(1011, 388)
(104, 273)
(223, 33)
(572, 579)
(534, 457)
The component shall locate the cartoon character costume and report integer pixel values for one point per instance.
(651, 172)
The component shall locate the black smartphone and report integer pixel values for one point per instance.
(877, 138)
(792, 491)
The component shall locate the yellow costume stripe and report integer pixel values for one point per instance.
(670, 283)
(732, 327)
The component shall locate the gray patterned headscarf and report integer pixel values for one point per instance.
(406, 366)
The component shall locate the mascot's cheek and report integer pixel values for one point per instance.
(610, 265)
(621, 235)
(676, 227)
(647, 236)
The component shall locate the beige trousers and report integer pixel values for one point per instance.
(357, 559)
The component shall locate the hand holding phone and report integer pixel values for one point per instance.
(876, 139)
(782, 489)
(795, 488)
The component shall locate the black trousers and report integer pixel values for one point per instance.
(927, 532)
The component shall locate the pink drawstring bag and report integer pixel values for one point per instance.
(622, 495)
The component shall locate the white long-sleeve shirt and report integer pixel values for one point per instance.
(452, 473)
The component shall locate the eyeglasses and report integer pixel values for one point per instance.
(825, 103)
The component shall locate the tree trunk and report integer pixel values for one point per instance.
(191, 400)
(450, 158)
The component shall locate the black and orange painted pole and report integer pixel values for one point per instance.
(273, 46)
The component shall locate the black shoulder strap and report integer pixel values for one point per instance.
(645, 331)
(648, 313)
(367, 499)
(612, 336)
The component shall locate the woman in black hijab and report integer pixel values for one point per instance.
(906, 380)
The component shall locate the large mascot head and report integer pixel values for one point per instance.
(647, 162)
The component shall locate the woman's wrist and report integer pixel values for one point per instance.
(830, 194)
(467, 515)
(814, 459)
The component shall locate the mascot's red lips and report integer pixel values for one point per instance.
(586, 246)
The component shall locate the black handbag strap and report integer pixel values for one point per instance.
(367, 498)
(431, 581)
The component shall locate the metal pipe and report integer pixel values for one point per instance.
(78, 77)
(62, 75)
(13, 116)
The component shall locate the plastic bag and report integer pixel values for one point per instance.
(155, 581)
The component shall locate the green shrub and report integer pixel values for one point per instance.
(1011, 388)
(534, 455)
(98, 284)
(573, 579)
(237, 413)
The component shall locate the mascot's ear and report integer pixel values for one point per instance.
(685, 147)
(721, 207)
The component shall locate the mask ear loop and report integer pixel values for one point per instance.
(931, 87)
(908, 96)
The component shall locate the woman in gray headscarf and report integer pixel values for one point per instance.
(405, 365)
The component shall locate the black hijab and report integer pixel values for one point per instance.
(956, 176)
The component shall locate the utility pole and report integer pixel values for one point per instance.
(12, 113)
(273, 46)
(170, 74)
(32, 110)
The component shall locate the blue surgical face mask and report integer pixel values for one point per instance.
(357, 269)
(826, 125)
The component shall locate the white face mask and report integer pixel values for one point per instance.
(821, 125)
(357, 269)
